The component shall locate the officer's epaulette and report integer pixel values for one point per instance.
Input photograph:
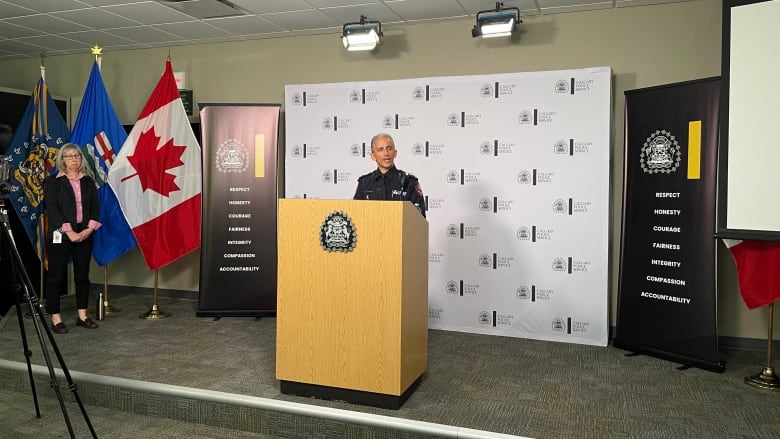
(367, 175)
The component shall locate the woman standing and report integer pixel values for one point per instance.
(73, 213)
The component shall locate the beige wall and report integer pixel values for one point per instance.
(645, 46)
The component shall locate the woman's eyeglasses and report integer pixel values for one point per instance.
(72, 157)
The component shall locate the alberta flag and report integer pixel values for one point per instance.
(100, 135)
(157, 177)
(33, 149)
(758, 270)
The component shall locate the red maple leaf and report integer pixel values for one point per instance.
(151, 163)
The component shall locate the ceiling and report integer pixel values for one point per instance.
(30, 28)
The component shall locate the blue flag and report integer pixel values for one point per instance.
(33, 149)
(100, 135)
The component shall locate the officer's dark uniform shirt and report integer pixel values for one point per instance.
(395, 184)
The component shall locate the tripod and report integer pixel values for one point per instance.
(39, 321)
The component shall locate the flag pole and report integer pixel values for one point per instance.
(155, 312)
(107, 306)
(767, 379)
(41, 222)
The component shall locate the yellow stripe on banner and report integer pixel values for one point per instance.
(694, 150)
(259, 155)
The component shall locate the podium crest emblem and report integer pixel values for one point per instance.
(337, 233)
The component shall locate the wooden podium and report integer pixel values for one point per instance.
(352, 325)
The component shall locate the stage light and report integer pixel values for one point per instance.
(498, 22)
(363, 35)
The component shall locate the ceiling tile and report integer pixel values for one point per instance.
(331, 3)
(427, 10)
(53, 42)
(144, 34)
(95, 18)
(525, 6)
(8, 10)
(48, 5)
(270, 6)
(93, 37)
(246, 25)
(302, 20)
(46, 24)
(149, 13)
(9, 30)
(192, 31)
(372, 11)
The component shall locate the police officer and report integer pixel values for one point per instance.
(388, 182)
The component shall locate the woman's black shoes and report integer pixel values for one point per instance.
(86, 323)
(59, 328)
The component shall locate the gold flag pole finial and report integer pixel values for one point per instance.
(97, 51)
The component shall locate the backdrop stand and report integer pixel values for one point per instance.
(767, 379)
(155, 312)
(106, 306)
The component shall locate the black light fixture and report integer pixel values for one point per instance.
(363, 35)
(498, 22)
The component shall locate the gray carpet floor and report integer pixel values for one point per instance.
(497, 384)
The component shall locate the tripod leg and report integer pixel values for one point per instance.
(27, 352)
(33, 302)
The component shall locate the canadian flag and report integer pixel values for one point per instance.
(758, 270)
(157, 177)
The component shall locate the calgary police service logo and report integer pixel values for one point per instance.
(387, 122)
(484, 318)
(562, 86)
(418, 149)
(327, 176)
(486, 90)
(297, 99)
(452, 287)
(453, 177)
(485, 260)
(486, 204)
(523, 234)
(453, 120)
(453, 231)
(355, 97)
(355, 150)
(327, 124)
(560, 206)
(559, 264)
(524, 177)
(559, 324)
(418, 93)
(660, 153)
(525, 117)
(486, 148)
(523, 292)
(337, 233)
(231, 157)
(561, 147)
(297, 151)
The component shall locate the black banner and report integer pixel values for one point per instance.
(238, 266)
(667, 292)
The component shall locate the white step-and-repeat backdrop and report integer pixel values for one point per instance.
(515, 169)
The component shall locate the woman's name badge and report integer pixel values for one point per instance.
(57, 237)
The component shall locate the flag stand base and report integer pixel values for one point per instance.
(110, 309)
(154, 313)
(767, 379)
